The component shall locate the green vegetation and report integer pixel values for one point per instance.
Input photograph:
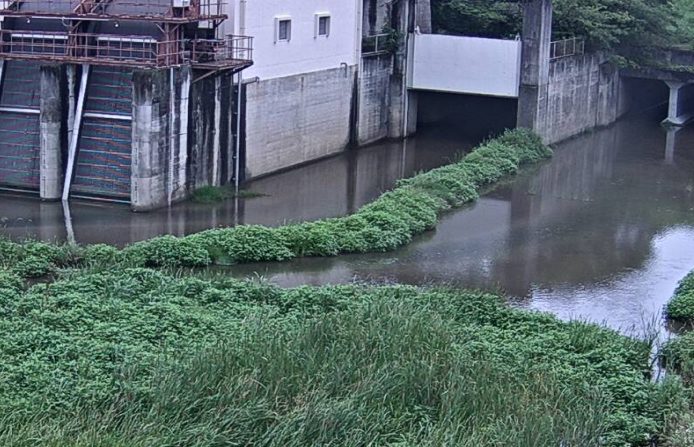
(389, 222)
(681, 307)
(633, 29)
(215, 194)
(135, 357)
(678, 357)
(683, 26)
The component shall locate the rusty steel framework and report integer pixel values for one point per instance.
(232, 52)
(172, 11)
(175, 43)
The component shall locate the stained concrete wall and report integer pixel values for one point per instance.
(52, 131)
(374, 98)
(182, 145)
(583, 92)
(212, 105)
(150, 139)
(296, 119)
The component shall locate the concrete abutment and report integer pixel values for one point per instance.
(52, 131)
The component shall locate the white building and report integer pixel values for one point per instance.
(301, 91)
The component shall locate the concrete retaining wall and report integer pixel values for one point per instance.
(296, 119)
(583, 92)
(212, 104)
(374, 98)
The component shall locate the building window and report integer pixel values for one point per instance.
(322, 25)
(284, 30)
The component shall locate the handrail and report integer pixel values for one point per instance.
(566, 47)
(125, 50)
(375, 45)
(167, 10)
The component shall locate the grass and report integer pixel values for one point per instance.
(678, 357)
(137, 357)
(389, 222)
(681, 307)
(216, 194)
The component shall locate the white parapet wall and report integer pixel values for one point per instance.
(469, 65)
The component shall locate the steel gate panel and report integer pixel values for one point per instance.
(104, 162)
(19, 129)
(19, 150)
(110, 91)
(21, 86)
(103, 165)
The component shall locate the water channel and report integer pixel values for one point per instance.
(602, 232)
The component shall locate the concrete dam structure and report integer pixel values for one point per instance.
(126, 100)
(145, 101)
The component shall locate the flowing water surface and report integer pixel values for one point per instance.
(601, 232)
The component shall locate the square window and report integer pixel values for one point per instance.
(324, 26)
(284, 30)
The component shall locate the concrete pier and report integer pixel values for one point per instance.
(537, 35)
(51, 131)
(149, 139)
(681, 103)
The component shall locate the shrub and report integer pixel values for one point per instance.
(10, 281)
(681, 307)
(678, 355)
(33, 267)
(166, 251)
(310, 239)
(250, 243)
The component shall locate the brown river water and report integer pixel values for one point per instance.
(602, 232)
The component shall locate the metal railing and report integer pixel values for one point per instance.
(168, 10)
(375, 45)
(129, 51)
(567, 47)
(215, 52)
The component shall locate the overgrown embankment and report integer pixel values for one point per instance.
(135, 357)
(389, 222)
(678, 355)
(681, 307)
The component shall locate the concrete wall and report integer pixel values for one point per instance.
(182, 145)
(305, 52)
(150, 140)
(212, 105)
(468, 65)
(583, 92)
(295, 119)
(52, 131)
(374, 98)
(376, 15)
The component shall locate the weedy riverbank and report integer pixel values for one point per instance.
(137, 357)
(389, 222)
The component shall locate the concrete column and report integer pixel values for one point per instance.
(681, 95)
(670, 144)
(150, 139)
(397, 127)
(51, 131)
(537, 36)
(423, 16)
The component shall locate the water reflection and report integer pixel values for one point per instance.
(604, 231)
(329, 188)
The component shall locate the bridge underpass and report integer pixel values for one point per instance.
(678, 88)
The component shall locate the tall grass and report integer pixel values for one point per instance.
(139, 358)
